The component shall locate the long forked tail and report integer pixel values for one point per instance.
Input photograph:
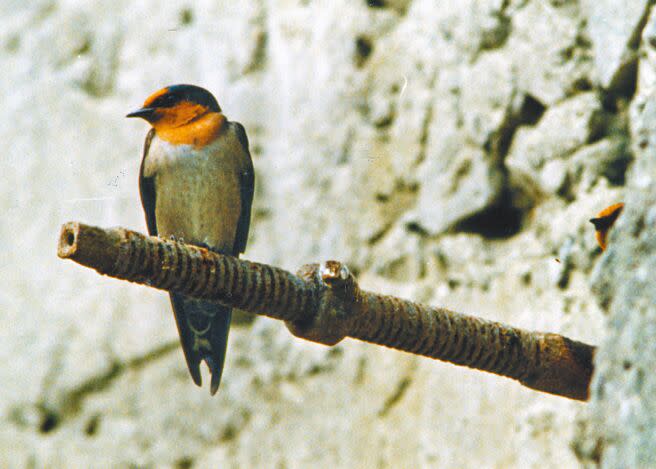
(203, 327)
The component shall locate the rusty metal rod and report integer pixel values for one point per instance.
(324, 303)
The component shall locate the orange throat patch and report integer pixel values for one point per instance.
(198, 132)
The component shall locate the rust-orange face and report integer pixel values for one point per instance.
(604, 222)
(176, 106)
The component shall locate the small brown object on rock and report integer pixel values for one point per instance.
(604, 222)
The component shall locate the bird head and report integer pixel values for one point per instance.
(176, 105)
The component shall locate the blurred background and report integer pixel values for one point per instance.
(450, 152)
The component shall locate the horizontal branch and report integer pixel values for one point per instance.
(324, 303)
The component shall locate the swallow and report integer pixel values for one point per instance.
(604, 222)
(196, 184)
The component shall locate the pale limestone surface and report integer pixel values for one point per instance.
(618, 429)
(614, 29)
(450, 154)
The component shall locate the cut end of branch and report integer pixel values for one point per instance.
(89, 245)
(567, 367)
(68, 240)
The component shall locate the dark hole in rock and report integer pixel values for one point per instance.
(529, 113)
(49, 421)
(91, 428)
(622, 88)
(500, 221)
(615, 172)
(531, 110)
(414, 227)
(186, 16)
(363, 49)
(184, 463)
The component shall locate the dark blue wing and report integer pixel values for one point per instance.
(247, 186)
(147, 188)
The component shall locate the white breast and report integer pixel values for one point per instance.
(198, 195)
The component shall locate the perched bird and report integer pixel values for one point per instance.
(196, 184)
(604, 222)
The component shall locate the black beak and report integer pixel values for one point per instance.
(147, 113)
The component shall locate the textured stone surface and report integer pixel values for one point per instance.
(538, 155)
(614, 30)
(450, 155)
(619, 428)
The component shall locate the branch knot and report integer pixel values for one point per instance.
(336, 290)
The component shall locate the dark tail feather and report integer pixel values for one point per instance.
(186, 337)
(203, 327)
(219, 340)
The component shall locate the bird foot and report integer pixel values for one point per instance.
(176, 239)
